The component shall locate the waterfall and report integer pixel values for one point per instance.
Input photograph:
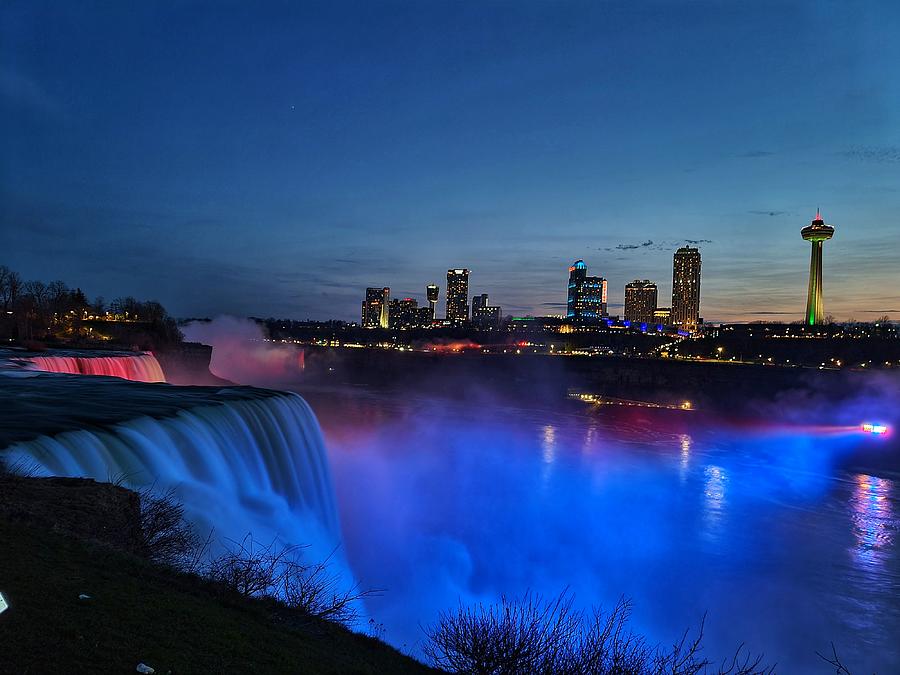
(138, 367)
(251, 465)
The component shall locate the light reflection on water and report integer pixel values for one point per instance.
(549, 444)
(685, 442)
(441, 503)
(874, 523)
(715, 489)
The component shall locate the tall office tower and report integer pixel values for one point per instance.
(586, 297)
(577, 273)
(424, 317)
(485, 315)
(686, 289)
(431, 292)
(817, 232)
(640, 301)
(404, 313)
(458, 296)
(375, 308)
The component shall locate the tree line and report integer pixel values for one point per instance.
(35, 313)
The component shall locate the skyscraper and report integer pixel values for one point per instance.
(404, 313)
(586, 297)
(485, 315)
(816, 232)
(458, 296)
(431, 292)
(686, 289)
(640, 301)
(375, 308)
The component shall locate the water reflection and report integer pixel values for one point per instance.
(589, 437)
(685, 456)
(873, 520)
(714, 491)
(549, 444)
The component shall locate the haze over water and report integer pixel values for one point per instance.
(442, 502)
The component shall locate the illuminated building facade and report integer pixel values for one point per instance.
(817, 232)
(375, 308)
(686, 289)
(431, 292)
(483, 314)
(662, 316)
(404, 313)
(586, 298)
(640, 301)
(458, 296)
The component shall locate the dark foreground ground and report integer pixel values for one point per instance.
(66, 537)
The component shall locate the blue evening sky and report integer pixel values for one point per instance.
(272, 158)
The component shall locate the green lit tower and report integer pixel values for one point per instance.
(816, 233)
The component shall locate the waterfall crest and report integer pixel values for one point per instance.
(141, 367)
(256, 465)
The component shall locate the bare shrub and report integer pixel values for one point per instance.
(530, 635)
(835, 661)
(317, 591)
(250, 569)
(534, 635)
(166, 537)
(312, 590)
(20, 468)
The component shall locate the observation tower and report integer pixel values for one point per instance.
(816, 233)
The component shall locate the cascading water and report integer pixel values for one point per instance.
(249, 465)
(137, 367)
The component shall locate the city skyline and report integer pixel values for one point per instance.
(498, 137)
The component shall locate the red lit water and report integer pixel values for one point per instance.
(137, 367)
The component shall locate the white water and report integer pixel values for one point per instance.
(255, 465)
(138, 367)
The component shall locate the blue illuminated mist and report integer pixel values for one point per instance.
(786, 550)
(277, 158)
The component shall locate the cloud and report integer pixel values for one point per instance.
(758, 212)
(629, 247)
(882, 154)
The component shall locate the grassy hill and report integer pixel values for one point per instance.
(138, 612)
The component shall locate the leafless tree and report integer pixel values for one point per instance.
(310, 589)
(167, 537)
(835, 661)
(10, 287)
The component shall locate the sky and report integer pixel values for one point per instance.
(276, 158)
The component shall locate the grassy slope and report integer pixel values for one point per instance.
(143, 613)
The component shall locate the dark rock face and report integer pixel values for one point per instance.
(188, 363)
(76, 507)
